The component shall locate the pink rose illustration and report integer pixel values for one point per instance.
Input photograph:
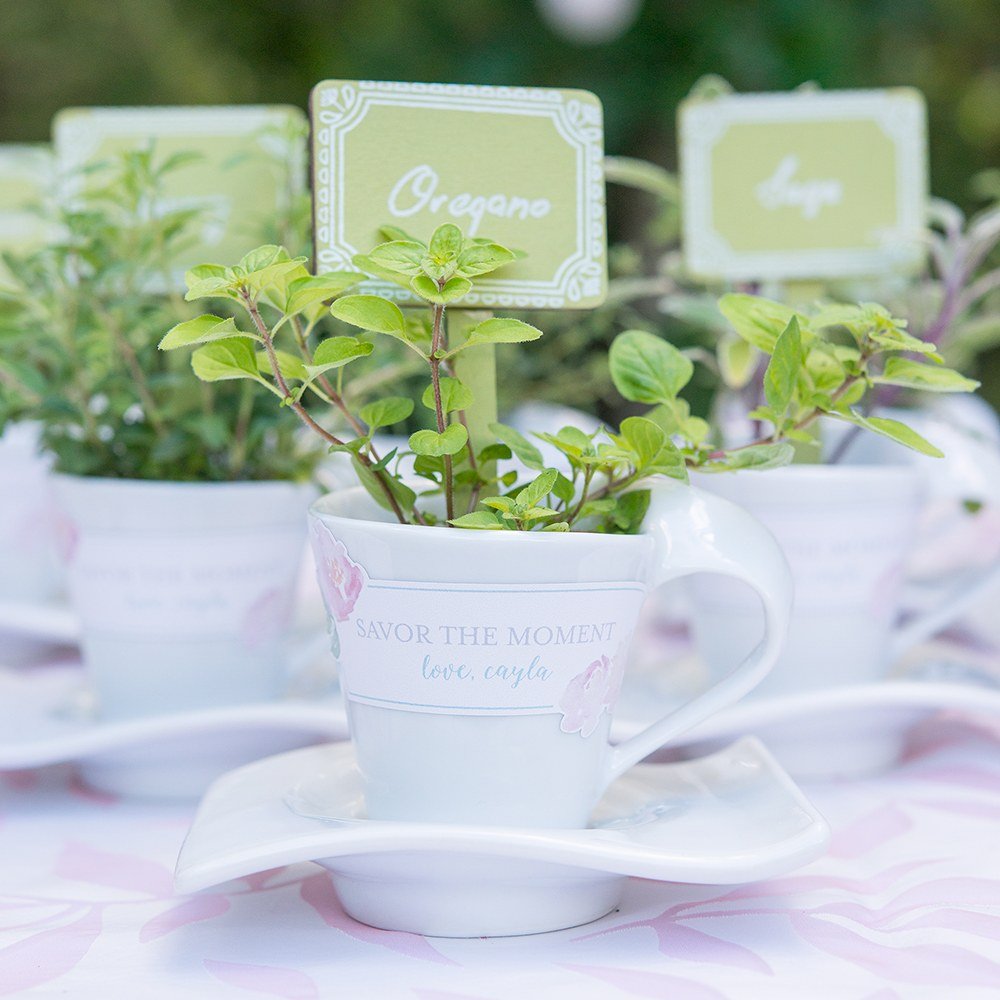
(340, 578)
(67, 539)
(590, 694)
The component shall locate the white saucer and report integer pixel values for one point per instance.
(45, 719)
(730, 818)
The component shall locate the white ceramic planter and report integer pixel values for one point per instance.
(29, 564)
(951, 541)
(847, 532)
(184, 591)
(481, 669)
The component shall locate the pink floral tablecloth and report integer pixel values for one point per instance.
(905, 904)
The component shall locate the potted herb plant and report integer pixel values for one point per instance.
(848, 531)
(184, 505)
(954, 301)
(482, 617)
(951, 303)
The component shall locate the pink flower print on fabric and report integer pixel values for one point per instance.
(341, 580)
(590, 694)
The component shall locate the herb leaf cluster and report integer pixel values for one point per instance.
(80, 319)
(820, 364)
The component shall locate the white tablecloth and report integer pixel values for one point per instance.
(905, 904)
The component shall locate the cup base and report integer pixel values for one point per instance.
(445, 896)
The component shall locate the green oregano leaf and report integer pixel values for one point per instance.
(455, 395)
(644, 438)
(201, 330)
(781, 376)
(918, 375)
(400, 256)
(450, 442)
(646, 369)
(538, 489)
(446, 243)
(314, 290)
(483, 520)
(499, 331)
(370, 312)
(758, 456)
(482, 258)
(757, 320)
(386, 412)
(234, 358)
(402, 493)
(522, 448)
(892, 429)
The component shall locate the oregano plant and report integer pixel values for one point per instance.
(444, 476)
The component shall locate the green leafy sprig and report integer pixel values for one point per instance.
(828, 362)
(450, 473)
(602, 485)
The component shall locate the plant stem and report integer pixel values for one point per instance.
(141, 386)
(953, 304)
(987, 283)
(588, 474)
(811, 417)
(437, 346)
(302, 413)
(326, 385)
(473, 464)
(118, 335)
(238, 452)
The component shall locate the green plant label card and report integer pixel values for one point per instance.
(247, 177)
(521, 166)
(26, 182)
(809, 184)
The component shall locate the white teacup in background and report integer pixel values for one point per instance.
(184, 591)
(958, 534)
(29, 563)
(848, 532)
(481, 669)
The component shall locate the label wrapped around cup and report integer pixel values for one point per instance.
(479, 649)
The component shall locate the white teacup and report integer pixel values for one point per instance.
(29, 564)
(184, 591)
(481, 669)
(952, 543)
(848, 532)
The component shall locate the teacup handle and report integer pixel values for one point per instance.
(972, 585)
(697, 532)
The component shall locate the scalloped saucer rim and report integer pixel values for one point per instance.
(912, 697)
(459, 881)
(52, 698)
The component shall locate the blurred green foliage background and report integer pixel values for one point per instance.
(55, 53)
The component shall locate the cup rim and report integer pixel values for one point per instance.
(468, 537)
(177, 484)
(818, 485)
(819, 470)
